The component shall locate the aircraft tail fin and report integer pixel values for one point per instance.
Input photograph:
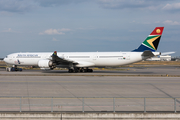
(152, 41)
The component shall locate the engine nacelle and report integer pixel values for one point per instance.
(45, 64)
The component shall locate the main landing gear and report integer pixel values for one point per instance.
(76, 70)
(14, 68)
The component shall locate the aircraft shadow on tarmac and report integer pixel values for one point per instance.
(94, 72)
(99, 71)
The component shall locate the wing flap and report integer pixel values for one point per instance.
(84, 64)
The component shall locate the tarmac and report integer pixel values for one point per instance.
(156, 71)
(126, 82)
(132, 84)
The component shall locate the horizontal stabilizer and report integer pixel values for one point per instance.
(167, 53)
(147, 54)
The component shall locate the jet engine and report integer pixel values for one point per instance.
(46, 64)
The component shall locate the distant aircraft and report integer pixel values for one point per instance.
(81, 61)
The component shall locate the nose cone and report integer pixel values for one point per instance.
(5, 59)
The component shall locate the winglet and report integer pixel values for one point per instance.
(55, 53)
(152, 41)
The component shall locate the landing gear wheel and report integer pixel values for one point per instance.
(19, 69)
(89, 70)
(76, 70)
(82, 70)
(71, 70)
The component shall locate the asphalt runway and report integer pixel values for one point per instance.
(38, 88)
(35, 93)
(89, 86)
(60, 83)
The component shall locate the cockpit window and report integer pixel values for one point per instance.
(6, 56)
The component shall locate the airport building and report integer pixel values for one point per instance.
(160, 58)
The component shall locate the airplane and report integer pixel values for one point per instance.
(81, 61)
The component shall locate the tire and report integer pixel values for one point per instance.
(13, 69)
(82, 70)
(90, 70)
(76, 70)
(71, 70)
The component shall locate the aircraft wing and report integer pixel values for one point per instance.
(1, 58)
(60, 60)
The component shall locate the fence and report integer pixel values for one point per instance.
(89, 104)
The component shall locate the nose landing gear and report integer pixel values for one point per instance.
(14, 68)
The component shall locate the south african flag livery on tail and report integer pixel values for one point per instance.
(152, 41)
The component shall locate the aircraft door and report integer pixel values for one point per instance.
(94, 57)
(127, 56)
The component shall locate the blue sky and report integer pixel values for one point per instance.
(86, 25)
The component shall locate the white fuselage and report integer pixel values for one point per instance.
(85, 59)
